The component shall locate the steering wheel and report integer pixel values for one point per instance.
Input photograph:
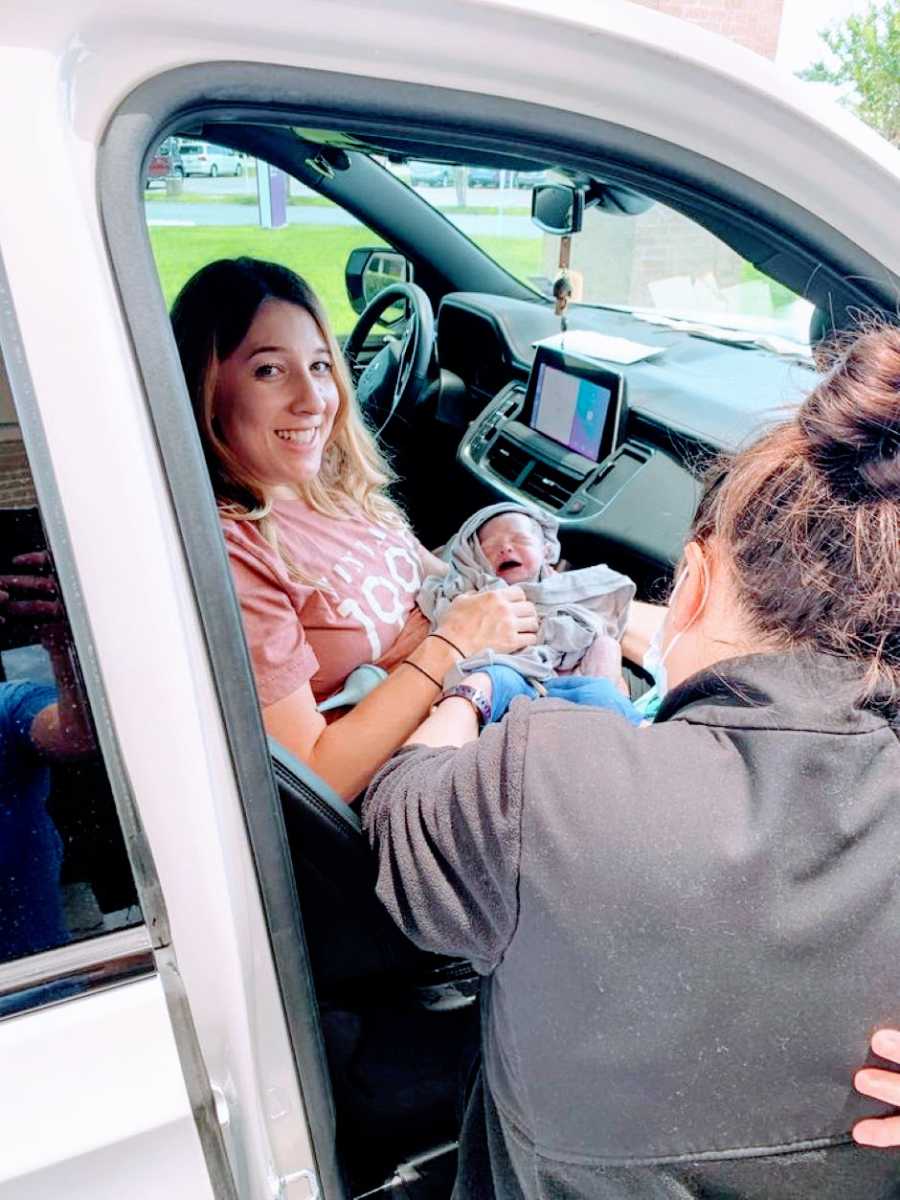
(394, 378)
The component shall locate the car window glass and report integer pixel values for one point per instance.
(223, 217)
(656, 262)
(64, 871)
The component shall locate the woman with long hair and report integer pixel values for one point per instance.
(324, 562)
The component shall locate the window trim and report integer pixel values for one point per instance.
(75, 970)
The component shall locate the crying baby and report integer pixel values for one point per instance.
(582, 612)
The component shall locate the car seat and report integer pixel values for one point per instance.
(400, 1025)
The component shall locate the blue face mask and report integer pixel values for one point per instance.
(654, 663)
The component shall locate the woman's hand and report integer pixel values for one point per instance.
(880, 1085)
(31, 596)
(501, 620)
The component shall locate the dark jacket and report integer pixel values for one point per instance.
(689, 930)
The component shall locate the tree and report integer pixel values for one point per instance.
(865, 52)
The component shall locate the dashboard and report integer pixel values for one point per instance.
(614, 451)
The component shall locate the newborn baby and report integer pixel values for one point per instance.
(513, 544)
(583, 613)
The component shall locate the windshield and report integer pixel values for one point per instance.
(657, 263)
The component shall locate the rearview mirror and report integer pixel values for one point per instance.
(557, 208)
(369, 270)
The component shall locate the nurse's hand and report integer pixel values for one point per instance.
(593, 691)
(501, 685)
(501, 620)
(880, 1085)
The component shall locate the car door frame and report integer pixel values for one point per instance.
(224, 91)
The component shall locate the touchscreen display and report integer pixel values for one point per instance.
(570, 410)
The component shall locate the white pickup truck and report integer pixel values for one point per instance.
(222, 1010)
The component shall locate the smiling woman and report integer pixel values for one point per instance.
(325, 565)
(276, 398)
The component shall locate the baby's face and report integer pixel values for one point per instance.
(514, 546)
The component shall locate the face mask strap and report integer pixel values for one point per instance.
(655, 658)
(681, 578)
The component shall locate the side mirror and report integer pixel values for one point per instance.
(369, 270)
(557, 208)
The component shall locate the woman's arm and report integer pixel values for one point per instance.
(445, 826)
(452, 723)
(348, 752)
(643, 621)
(61, 730)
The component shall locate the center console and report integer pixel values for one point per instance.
(559, 441)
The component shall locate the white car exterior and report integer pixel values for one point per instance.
(205, 158)
(181, 1084)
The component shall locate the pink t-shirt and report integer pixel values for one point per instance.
(361, 608)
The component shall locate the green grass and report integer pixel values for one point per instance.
(317, 252)
(521, 256)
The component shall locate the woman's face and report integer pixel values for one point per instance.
(276, 398)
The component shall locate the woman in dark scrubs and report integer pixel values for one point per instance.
(688, 930)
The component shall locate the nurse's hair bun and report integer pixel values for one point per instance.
(851, 420)
(808, 519)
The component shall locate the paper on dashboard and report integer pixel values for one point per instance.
(589, 344)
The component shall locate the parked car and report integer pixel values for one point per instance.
(166, 163)
(205, 158)
(228, 1012)
(426, 174)
(529, 179)
(486, 177)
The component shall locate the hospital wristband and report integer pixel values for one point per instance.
(475, 697)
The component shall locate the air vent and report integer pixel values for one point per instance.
(550, 486)
(508, 460)
(511, 402)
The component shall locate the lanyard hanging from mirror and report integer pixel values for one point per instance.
(562, 284)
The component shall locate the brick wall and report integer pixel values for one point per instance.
(16, 487)
(661, 259)
(753, 23)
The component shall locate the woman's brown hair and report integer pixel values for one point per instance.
(809, 518)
